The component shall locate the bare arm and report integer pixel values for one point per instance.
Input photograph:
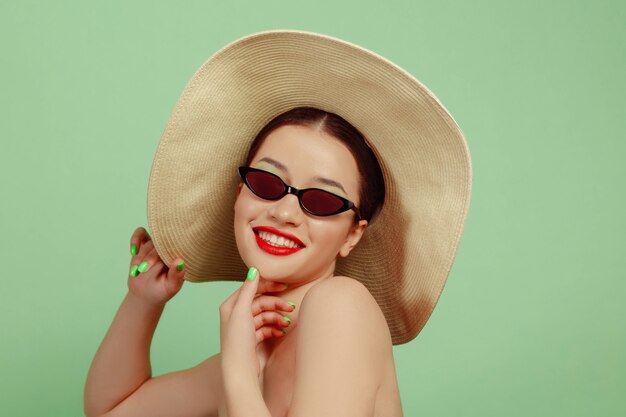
(191, 392)
(119, 382)
(122, 363)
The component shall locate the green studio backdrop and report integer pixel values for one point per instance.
(531, 321)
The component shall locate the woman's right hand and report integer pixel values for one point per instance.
(158, 283)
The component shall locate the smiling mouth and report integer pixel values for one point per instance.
(276, 240)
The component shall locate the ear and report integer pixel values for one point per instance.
(353, 237)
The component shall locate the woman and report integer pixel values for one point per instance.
(308, 190)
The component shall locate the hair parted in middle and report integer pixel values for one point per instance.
(371, 184)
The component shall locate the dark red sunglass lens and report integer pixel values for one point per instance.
(321, 202)
(265, 185)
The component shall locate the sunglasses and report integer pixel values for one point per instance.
(315, 201)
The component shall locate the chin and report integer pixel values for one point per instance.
(270, 267)
(290, 268)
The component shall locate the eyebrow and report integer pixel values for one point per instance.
(323, 180)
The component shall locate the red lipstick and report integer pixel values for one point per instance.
(276, 250)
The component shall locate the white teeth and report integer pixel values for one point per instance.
(275, 240)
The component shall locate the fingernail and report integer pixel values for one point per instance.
(252, 273)
(287, 319)
(133, 250)
(283, 330)
(292, 304)
(180, 265)
(134, 271)
(143, 267)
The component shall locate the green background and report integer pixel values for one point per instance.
(532, 320)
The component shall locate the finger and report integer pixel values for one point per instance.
(248, 289)
(231, 300)
(271, 318)
(137, 235)
(227, 306)
(263, 286)
(175, 276)
(138, 238)
(137, 264)
(146, 246)
(155, 270)
(267, 332)
(145, 263)
(269, 302)
(142, 251)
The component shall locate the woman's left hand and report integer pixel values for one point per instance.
(241, 331)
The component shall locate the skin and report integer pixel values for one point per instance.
(306, 154)
(340, 310)
(344, 344)
(301, 156)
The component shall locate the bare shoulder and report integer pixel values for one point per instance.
(345, 290)
(350, 299)
(341, 346)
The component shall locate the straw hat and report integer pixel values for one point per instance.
(406, 254)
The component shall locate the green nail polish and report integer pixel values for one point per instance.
(133, 250)
(283, 330)
(180, 265)
(287, 319)
(291, 303)
(252, 273)
(134, 271)
(143, 267)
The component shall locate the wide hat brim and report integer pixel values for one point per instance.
(405, 256)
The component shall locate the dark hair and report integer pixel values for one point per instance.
(372, 184)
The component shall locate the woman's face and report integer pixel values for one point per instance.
(302, 157)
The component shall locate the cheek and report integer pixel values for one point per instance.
(330, 235)
(241, 213)
(247, 208)
(237, 205)
(242, 218)
(243, 205)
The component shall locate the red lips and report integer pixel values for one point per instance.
(276, 250)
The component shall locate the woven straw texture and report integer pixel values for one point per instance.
(405, 256)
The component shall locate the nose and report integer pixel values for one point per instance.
(287, 210)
